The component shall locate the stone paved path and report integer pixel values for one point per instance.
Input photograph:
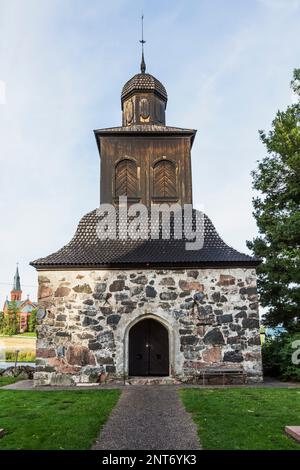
(149, 418)
(268, 383)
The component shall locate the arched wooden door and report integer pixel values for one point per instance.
(148, 349)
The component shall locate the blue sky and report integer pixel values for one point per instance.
(226, 65)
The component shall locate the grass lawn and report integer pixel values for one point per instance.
(248, 418)
(8, 380)
(54, 420)
(20, 335)
(27, 334)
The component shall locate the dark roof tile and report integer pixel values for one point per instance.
(142, 129)
(143, 82)
(87, 250)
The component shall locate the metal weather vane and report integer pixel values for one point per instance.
(142, 41)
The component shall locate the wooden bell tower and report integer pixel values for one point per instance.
(144, 159)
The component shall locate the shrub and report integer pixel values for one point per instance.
(23, 356)
(32, 321)
(277, 357)
(9, 324)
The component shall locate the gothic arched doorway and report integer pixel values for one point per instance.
(148, 349)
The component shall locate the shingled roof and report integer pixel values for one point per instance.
(143, 129)
(86, 250)
(143, 82)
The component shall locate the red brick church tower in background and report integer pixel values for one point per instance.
(24, 307)
(16, 292)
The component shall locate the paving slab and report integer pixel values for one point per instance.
(29, 385)
(149, 418)
(21, 385)
(294, 432)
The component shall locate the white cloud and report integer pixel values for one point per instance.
(2, 92)
(281, 4)
(49, 160)
(294, 98)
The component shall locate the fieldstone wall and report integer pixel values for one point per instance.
(85, 317)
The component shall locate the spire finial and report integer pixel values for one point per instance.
(142, 41)
(17, 283)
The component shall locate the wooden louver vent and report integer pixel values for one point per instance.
(126, 179)
(164, 180)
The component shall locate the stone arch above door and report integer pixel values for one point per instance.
(148, 346)
(171, 336)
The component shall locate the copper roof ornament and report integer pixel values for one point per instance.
(142, 41)
(142, 81)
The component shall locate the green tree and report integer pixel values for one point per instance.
(11, 320)
(277, 213)
(32, 321)
(277, 354)
(1, 322)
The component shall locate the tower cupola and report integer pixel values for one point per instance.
(143, 98)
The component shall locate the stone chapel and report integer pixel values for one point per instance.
(121, 310)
